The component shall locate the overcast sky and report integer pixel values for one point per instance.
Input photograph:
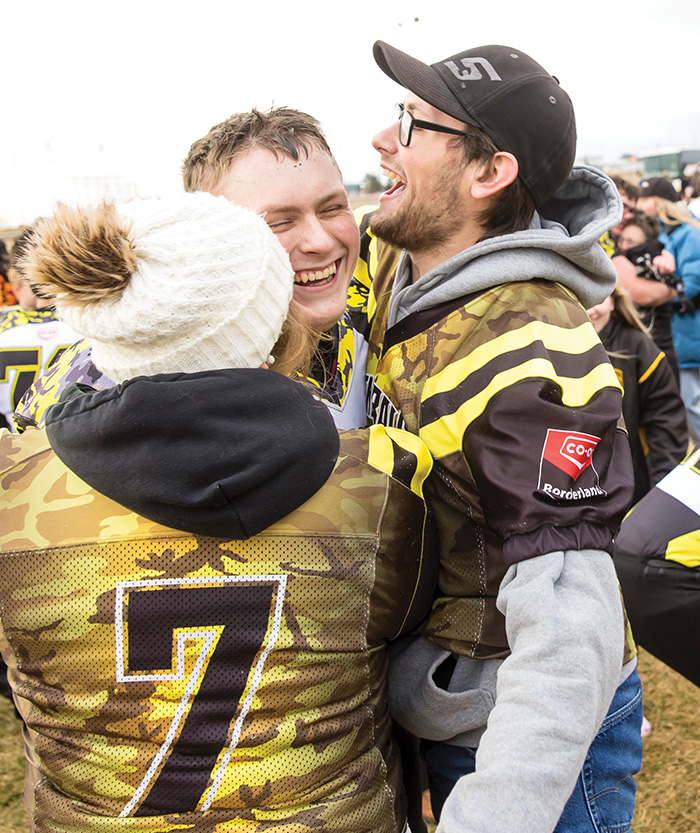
(122, 88)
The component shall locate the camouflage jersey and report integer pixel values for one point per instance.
(174, 681)
(339, 379)
(512, 392)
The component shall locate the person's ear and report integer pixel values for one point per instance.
(495, 175)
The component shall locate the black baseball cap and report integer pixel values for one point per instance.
(505, 93)
(658, 186)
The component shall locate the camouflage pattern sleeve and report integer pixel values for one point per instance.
(12, 317)
(513, 394)
(73, 365)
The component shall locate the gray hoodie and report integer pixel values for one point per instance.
(546, 701)
(562, 244)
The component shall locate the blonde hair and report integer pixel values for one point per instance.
(297, 347)
(625, 310)
(673, 213)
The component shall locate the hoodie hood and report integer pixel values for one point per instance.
(562, 244)
(220, 453)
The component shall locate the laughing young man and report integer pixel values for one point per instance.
(277, 164)
(483, 257)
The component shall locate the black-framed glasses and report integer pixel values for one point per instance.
(407, 123)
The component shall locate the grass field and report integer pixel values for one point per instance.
(668, 799)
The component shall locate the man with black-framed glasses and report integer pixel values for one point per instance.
(407, 122)
(483, 256)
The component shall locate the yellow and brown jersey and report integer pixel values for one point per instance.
(177, 682)
(514, 396)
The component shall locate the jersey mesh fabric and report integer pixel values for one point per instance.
(482, 379)
(172, 682)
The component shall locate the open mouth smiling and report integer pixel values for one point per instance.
(397, 183)
(319, 277)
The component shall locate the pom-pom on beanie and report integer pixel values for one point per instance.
(182, 284)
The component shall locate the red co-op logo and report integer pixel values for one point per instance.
(569, 451)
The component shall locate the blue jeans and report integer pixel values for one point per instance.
(603, 798)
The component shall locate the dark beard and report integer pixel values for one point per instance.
(421, 225)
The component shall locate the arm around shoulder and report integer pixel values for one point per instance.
(644, 292)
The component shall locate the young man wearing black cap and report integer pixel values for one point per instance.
(479, 342)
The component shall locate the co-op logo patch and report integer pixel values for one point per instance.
(566, 466)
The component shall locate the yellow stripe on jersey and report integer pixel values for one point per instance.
(685, 549)
(573, 342)
(382, 454)
(424, 460)
(647, 373)
(361, 298)
(445, 435)
(364, 271)
(692, 459)
(630, 644)
(356, 300)
(361, 212)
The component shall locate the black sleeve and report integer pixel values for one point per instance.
(661, 411)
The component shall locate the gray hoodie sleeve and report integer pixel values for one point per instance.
(565, 627)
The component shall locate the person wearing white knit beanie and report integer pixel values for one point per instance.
(199, 574)
(137, 292)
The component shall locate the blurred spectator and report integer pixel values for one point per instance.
(638, 229)
(638, 242)
(694, 204)
(680, 235)
(631, 235)
(645, 293)
(657, 557)
(31, 336)
(629, 194)
(7, 296)
(652, 408)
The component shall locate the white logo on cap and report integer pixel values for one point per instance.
(471, 72)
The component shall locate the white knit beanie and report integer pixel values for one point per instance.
(212, 290)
